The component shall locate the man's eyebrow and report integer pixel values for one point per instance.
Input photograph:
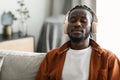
(72, 16)
(83, 17)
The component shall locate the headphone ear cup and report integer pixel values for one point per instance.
(94, 27)
(66, 24)
(65, 28)
(93, 30)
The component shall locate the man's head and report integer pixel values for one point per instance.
(79, 23)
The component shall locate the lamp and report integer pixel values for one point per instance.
(7, 21)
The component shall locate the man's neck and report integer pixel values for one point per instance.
(80, 45)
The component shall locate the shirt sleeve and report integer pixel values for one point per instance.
(42, 73)
(114, 68)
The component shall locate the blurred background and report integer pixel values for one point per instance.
(46, 19)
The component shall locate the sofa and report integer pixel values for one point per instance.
(19, 65)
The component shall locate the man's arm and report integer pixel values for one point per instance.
(42, 73)
(114, 68)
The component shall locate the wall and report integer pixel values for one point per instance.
(89, 3)
(108, 29)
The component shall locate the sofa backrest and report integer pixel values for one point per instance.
(20, 65)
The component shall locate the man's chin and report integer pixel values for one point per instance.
(77, 40)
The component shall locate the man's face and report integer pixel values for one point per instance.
(79, 25)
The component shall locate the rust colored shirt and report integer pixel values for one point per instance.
(104, 65)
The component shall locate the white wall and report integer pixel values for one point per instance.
(39, 10)
(108, 29)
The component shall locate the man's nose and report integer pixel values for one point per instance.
(78, 24)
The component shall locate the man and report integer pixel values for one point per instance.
(81, 58)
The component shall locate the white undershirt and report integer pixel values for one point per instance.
(76, 66)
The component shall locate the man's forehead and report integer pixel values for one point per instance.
(80, 11)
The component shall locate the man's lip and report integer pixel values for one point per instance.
(77, 31)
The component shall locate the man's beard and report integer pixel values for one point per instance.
(80, 39)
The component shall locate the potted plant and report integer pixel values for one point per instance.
(24, 15)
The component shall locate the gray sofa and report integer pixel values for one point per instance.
(19, 65)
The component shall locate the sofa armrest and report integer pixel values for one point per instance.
(20, 65)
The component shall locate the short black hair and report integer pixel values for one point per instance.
(86, 8)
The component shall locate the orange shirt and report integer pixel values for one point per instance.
(104, 65)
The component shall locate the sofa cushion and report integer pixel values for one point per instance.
(20, 65)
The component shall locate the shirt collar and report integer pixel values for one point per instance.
(93, 44)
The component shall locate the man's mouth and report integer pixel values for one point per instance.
(77, 31)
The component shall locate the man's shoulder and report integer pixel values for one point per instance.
(53, 52)
(60, 49)
(109, 54)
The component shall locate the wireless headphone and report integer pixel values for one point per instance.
(66, 23)
(93, 25)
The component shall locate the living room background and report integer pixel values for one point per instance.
(39, 11)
